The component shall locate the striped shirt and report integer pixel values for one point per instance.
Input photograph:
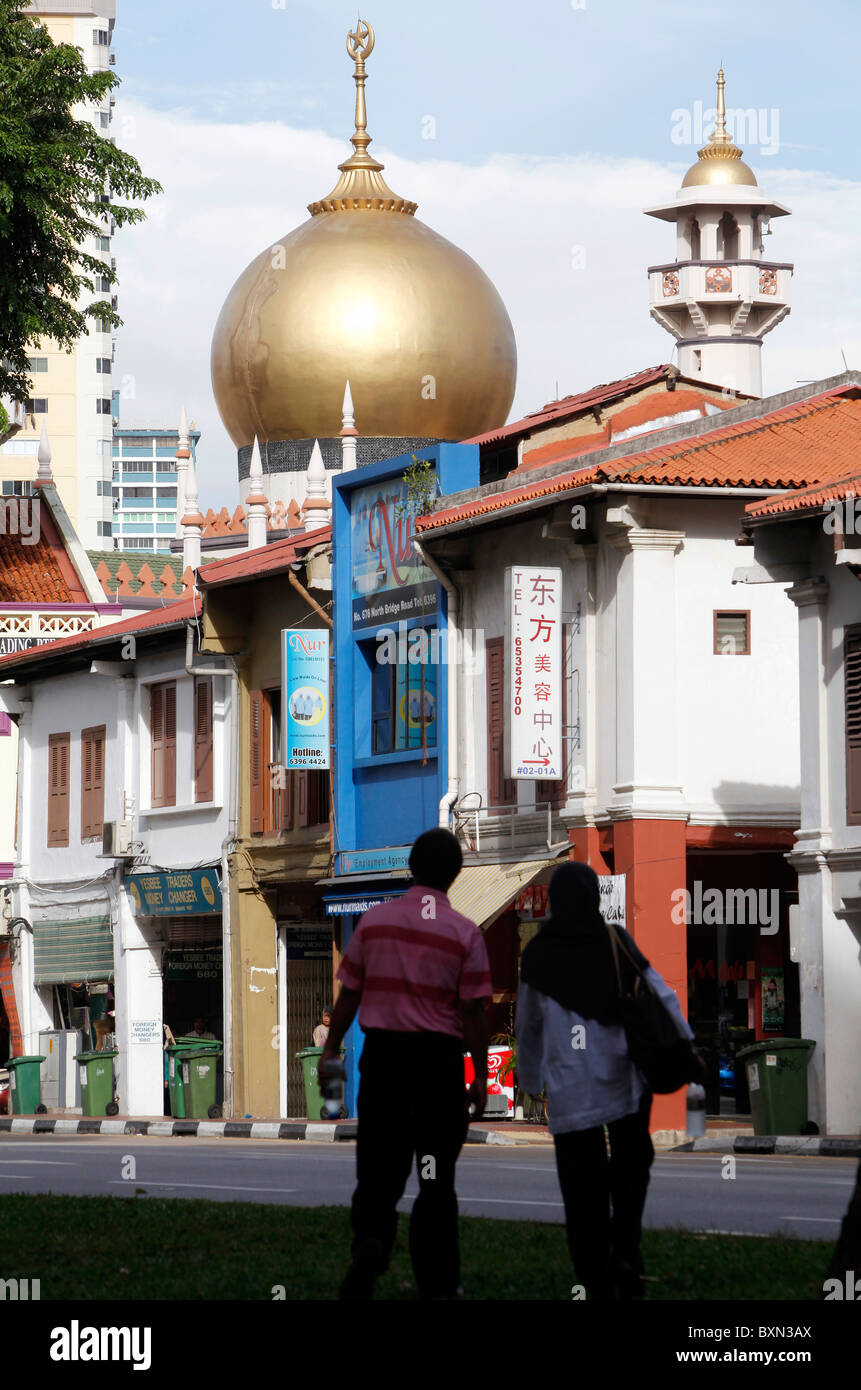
(413, 960)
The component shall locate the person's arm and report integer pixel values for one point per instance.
(473, 1017)
(346, 1008)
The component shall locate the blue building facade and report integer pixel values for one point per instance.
(390, 718)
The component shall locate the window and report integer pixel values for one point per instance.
(852, 719)
(103, 405)
(131, 466)
(403, 700)
(732, 633)
(104, 364)
(13, 488)
(104, 124)
(103, 489)
(101, 38)
(162, 728)
(92, 782)
(37, 364)
(203, 738)
(58, 789)
(103, 243)
(501, 791)
(280, 799)
(37, 405)
(106, 528)
(103, 284)
(135, 542)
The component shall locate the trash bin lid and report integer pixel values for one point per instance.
(207, 1052)
(94, 1056)
(776, 1045)
(19, 1061)
(310, 1052)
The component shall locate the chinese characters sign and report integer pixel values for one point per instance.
(533, 666)
(305, 697)
(389, 583)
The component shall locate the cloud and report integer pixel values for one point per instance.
(563, 239)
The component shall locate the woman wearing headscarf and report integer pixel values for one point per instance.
(570, 1040)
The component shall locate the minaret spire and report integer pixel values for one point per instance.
(349, 432)
(256, 502)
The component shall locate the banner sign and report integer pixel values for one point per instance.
(367, 861)
(388, 582)
(204, 963)
(306, 736)
(183, 892)
(308, 943)
(355, 906)
(534, 735)
(612, 890)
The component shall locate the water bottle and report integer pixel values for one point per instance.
(696, 1106)
(332, 1089)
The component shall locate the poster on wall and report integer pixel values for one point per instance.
(306, 737)
(534, 735)
(772, 999)
(388, 582)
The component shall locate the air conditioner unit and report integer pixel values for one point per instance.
(117, 839)
(113, 60)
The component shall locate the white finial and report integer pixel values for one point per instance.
(317, 508)
(256, 501)
(183, 455)
(192, 521)
(348, 432)
(43, 472)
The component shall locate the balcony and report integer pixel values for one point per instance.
(762, 283)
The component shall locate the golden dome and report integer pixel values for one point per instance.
(719, 161)
(364, 291)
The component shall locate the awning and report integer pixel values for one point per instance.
(482, 891)
(73, 950)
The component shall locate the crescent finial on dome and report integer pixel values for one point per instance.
(361, 185)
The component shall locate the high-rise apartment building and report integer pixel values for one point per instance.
(146, 484)
(71, 391)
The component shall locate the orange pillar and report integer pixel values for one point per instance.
(651, 853)
(586, 848)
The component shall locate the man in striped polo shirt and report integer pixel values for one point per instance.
(418, 974)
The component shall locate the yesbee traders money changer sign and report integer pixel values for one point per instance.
(305, 697)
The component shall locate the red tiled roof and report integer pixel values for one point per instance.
(265, 560)
(40, 573)
(280, 516)
(808, 499)
(810, 440)
(174, 614)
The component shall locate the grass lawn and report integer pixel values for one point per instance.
(146, 1247)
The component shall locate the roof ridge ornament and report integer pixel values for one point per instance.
(361, 185)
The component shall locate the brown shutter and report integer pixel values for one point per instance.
(170, 744)
(92, 781)
(203, 738)
(288, 796)
(852, 716)
(500, 790)
(58, 789)
(156, 734)
(302, 810)
(257, 763)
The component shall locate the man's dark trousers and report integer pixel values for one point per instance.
(412, 1102)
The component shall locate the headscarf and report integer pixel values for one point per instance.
(571, 957)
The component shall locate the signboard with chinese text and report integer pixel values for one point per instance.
(534, 735)
(388, 582)
(306, 737)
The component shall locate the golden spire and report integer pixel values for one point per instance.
(719, 160)
(361, 184)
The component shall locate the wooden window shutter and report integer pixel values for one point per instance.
(303, 807)
(500, 790)
(156, 734)
(852, 704)
(92, 782)
(58, 789)
(170, 744)
(203, 738)
(257, 760)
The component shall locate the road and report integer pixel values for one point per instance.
(797, 1196)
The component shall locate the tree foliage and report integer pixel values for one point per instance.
(59, 183)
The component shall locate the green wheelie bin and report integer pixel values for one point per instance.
(175, 1089)
(97, 1082)
(199, 1081)
(25, 1085)
(777, 1081)
(314, 1107)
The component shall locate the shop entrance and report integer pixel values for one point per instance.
(192, 981)
(304, 990)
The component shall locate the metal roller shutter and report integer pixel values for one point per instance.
(66, 952)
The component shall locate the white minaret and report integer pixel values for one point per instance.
(349, 433)
(183, 454)
(43, 457)
(719, 297)
(192, 521)
(256, 502)
(317, 510)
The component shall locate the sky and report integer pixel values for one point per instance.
(530, 135)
